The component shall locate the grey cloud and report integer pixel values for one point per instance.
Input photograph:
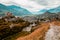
(47, 2)
(41, 2)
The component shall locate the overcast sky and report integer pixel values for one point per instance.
(33, 5)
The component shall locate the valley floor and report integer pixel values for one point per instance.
(38, 34)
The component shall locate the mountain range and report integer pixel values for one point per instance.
(17, 11)
(48, 15)
(53, 10)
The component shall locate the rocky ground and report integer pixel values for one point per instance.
(39, 34)
(11, 28)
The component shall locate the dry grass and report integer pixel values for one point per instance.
(39, 33)
(20, 34)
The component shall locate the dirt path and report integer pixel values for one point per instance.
(37, 34)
